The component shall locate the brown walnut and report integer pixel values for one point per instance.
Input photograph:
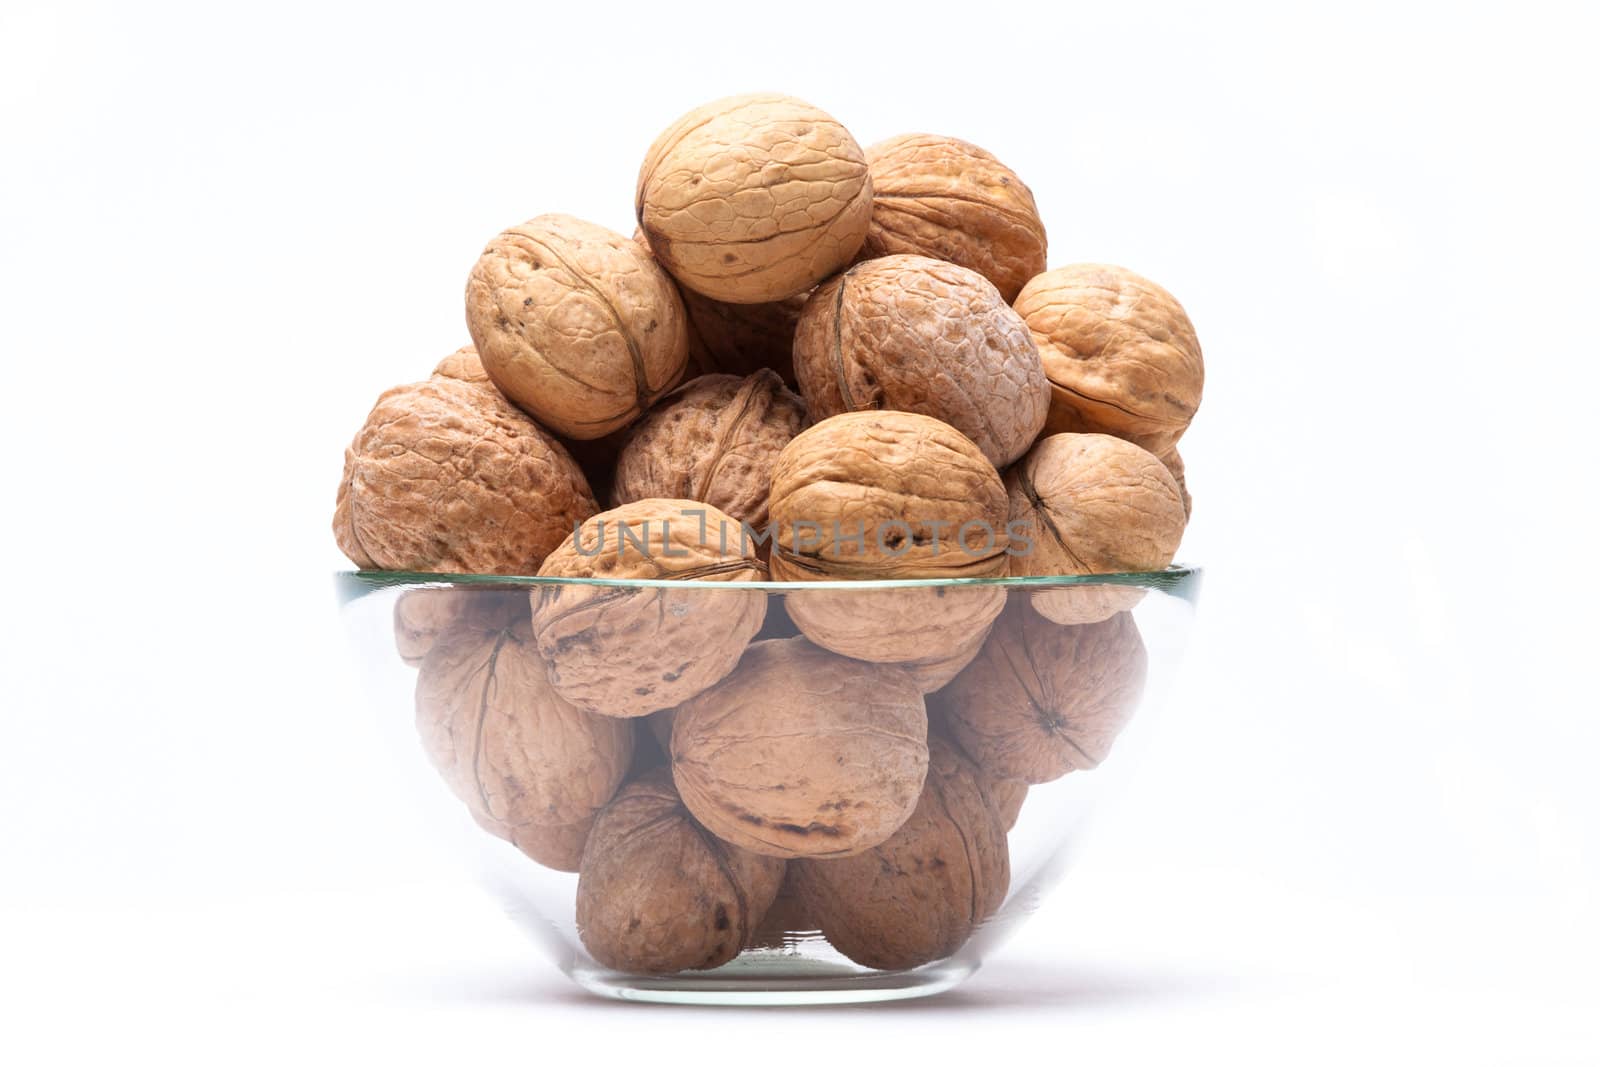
(1091, 504)
(447, 476)
(421, 615)
(714, 440)
(559, 848)
(658, 894)
(888, 494)
(910, 333)
(1120, 353)
(463, 365)
(1174, 464)
(754, 198)
(1043, 699)
(576, 324)
(630, 651)
(941, 197)
(506, 743)
(918, 896)
(1007, 796)
(801, 752)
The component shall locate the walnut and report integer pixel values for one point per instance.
(421, 615)
(1120, 353)
(464, 366)
(1042, 699)
(629, 651)
(888, 494)
(576, 324)
(1007, 796)
(932, 673)
(713, 440)
(657, 894)
(743, 338)
(940, 197)
(447, 476)
(911, 333)
(1174, 464)
(801, 752)
(1087, 503)
(918, 896)
(508, 746)
(739, 339)
(753, 199)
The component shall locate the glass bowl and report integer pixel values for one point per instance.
(764, 792)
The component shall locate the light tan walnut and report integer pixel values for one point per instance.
(626, 651)
(463, 365)
(658, 894)
(1091, 504)
(576, 324)
(447, 476)
(421, 615)
(801, 752)
(1043, 699)
(754, 198)
(910, 333)
(941, 197)
(506, 743)
(1174, 464)
(1120, 353)
(714, 440)
(888, 494)
(918, 896)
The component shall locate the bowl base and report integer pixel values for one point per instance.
(776, 979)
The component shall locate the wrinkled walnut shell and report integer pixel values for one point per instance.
(628, 652)
(657, 894)
(714, 440)
(560, 848)
(447, 476)
(1093, 504)
(801, 752)
(1120, 353)
(463, 365)
(1042, 699)
(941, 197)
(909, 333)
(508, 746)
(421, 615)
(576, 324)
(926, 629)
(755, 198)
(1174, 464)
(918, 896)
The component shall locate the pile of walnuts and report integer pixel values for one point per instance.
(811, 363)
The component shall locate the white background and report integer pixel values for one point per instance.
(1369, 826)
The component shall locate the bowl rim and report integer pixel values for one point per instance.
(1182, 580)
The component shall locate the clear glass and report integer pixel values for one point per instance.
(620, 762)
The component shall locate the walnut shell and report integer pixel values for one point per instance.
(449, 477)
(627, 652)
(657, 894)
(713, 440)
(755, 198)
(576, 324)
(463, 365)
(940, 197)
(1092, 504)
(1007, 796)
(925, 629)
(421, 615)
(910, 333)
(918, 896)
(801, 752)
(1120, 353)
(508, 746)
(1174, 464)
(1041, 699)
(743, 338)
(918, 495)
